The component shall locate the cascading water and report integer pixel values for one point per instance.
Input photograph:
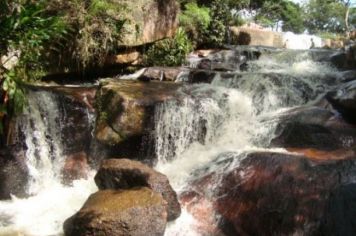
(237, 113)
(49, 202)
(206, 127)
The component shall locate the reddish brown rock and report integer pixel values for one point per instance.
(275, 194)
(126, 174)
(133, 212)
(75, 167)
(279, 194)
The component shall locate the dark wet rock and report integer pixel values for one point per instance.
(280, 194)
(338, 59)
(343, 99)
(345, 59)
(75, 167)
(340, 212)
(126, 108)
(131, 212)
(13, 173)
(313, 127)
(201, 76)
(204, 64)
(76, 113)
(347, 76)
(127, 174)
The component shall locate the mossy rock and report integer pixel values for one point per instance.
(126, 108)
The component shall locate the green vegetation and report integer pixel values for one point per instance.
(169, 52)
(195, 20)
(44, 35)
(61, 35)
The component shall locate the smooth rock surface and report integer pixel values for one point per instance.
(279, 194)
(267, 193)
(127, 174)
(134, 212)
(126, 108)
(314, 127)
(343, 99)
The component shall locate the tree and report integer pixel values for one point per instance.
(325, 15)
(347, 4)
(271, 12)
(292, 17)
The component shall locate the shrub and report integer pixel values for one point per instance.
(169, 52)
(216, 34)
(195, 20)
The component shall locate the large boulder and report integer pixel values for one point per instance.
(126, 108)
(268, 193)
(132, 212)
(343, 99)
(313, 127)
(148, 21)
(345, 59)
(127, 174)
(279, 194)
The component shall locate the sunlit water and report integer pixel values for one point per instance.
(233, 115)
(50, 202)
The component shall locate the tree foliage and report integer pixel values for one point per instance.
(325, 15)
(195, 20)
(44, 33)
(169, 52)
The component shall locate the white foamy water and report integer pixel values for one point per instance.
(50, 202)
(44, 213)
(207, 124)
(301, 41)
(234, 115)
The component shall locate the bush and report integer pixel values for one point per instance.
(195, 20)
(216, 34)
(169, 52)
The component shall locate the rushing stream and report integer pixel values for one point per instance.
(234, 114)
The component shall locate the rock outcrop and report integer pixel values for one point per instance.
(314, 127)
(127, 174)
(148, 21)
(343, 99)
(126, 108)
(131, 212)
(267, 193)
(279, 194)
(132, 200)
(256, 37)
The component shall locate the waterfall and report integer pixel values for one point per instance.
(49, 202)
(208, 127)
(234, 114)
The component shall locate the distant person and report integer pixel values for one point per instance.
(312, 43)
(285, 44)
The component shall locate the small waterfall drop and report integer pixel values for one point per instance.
(235, 114)
(50, 202)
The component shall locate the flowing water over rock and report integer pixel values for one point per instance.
(49, 201)
(209, 128)
(235, 114)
